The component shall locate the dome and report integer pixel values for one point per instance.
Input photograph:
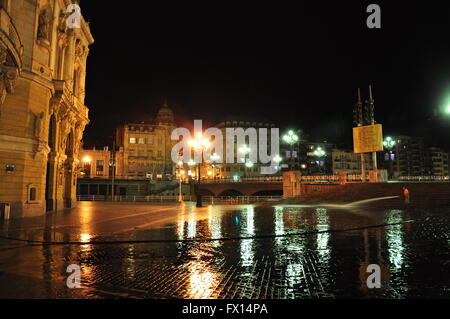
(165, 115)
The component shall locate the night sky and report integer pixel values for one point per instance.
(298, 66)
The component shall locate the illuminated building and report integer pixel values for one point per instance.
(42, 110)
(438, 161)
(349, 162)
(147, 147)
(409, 156)
(240, 169)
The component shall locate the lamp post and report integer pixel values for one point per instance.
(199, 144)
(389, 144)
(248, 165)
(277, 159)
(214, 159)
(291, 138)
(245, 150)
(319, 152)
(180, 166)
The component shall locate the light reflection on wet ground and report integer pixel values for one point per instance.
(255, 256)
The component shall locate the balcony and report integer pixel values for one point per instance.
(63, 90)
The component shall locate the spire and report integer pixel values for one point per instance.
(165, 102)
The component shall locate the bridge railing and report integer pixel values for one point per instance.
(239, 199)
(320, 179)
(261, 179)
(145, 199)
(424, 178)
(173, 199)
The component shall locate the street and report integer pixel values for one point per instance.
(246, 251)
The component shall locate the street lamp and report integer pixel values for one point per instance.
(389, 144)
(291, 138)
(319, 152)
(180, 165)
(277, 159)
(214, 159)
(245, 150)
(199, 143)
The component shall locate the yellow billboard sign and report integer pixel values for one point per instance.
(368, 139)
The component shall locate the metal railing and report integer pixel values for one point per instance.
(173, 199)
(132, 199)
(260, 179)
(239, 199)
(320, 179)
(424, 178)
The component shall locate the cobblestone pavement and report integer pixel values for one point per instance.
(280, 252)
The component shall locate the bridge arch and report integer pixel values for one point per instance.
(231, 193)
(268, 193)
(206, 192)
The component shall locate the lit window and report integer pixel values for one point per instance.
(132, 140)
(141, 140)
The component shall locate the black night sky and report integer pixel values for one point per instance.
(297, 66)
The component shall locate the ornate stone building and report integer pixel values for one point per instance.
(146, 148)
(42, 111)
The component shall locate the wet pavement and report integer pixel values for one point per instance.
(239, 251)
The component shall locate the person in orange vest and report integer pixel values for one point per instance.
(406, 195)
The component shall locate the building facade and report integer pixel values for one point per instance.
(409, 157)
(98, 163)
(437, 160)
(145, 149)
(42, 110)
(349, 162)
(243, 167)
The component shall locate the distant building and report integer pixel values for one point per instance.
(409, 157)
(98, 163)
(239, 169)
(349, 162)
(438, 161)
(313, 163)
(146, 148)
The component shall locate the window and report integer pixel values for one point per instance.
(159, 154)
(32, 194)
(141, 140)
(100, 167)
(132, 140)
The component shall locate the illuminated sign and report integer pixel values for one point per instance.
(368, 139)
